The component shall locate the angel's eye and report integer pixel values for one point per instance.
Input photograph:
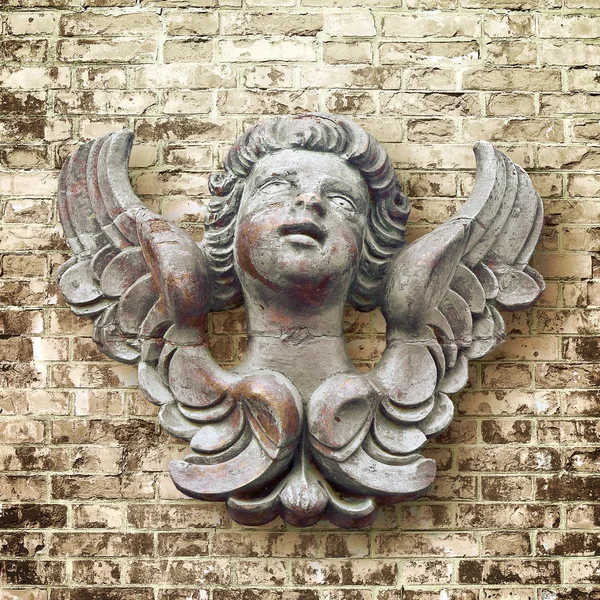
(273, 185)
(343, 202)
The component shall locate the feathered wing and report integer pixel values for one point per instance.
(146, 285)
(439, 302)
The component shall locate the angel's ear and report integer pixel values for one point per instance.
(419, 276)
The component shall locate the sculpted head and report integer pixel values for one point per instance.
(308, 206)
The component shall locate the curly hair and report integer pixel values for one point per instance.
(321, 133)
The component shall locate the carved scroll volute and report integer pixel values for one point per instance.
(307, 215)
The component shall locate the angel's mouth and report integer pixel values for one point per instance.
(303, 234)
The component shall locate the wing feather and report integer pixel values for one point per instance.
(147, 286)
(439, 303)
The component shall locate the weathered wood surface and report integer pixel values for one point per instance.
(308, 214)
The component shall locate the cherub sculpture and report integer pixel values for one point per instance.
(307, 215)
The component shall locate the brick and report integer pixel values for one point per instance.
(21, 544)
(506, 431)
(579, 431)
(442, 104)
(188, 571)
(509, 571)
(96, 593)
(508, 79)
(567, 488)
(108, 487)
(363, 572)
(508, 459)
(266, 102)
(349, 24)
(91, 24)
(511, 25)
(425, 544)
(102, 78)
(554, 543)
(183, 544)
(506, 487)
(431, 78)
(428, 52)
(359, 103)
(340, 52)
(74, 50)
(265, 49)
(254, 572)
(101, 544)
(30, 23)
(506, 515)
(262, 544)
(582, 403)
(506, 543)
(92, 516)
(260, 23)
(104, 103)
(445, 25)
(510, 105)
(427, 572)
(29, 572)
(182, 75)
(582, 571)
(175, 516)
(33, 516)
(96, 572)
(29, 51)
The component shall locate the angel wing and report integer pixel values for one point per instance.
(147, 285)
(439, 301)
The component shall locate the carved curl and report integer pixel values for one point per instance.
(321, 133)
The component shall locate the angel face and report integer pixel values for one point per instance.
(301, 225)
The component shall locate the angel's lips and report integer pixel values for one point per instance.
(307, 234)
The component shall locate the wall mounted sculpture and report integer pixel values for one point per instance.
(307, 215)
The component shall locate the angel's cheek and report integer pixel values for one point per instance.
(251, 249)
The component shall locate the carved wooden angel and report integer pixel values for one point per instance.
(308, 215)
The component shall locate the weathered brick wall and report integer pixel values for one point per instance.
(88, 511)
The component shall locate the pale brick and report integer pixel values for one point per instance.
(512, 25)
(183, 76)
(191, 23)
(267, 102)
(261, 23)
(350, 24)
(110, 50)
(354, 103)
(268, 77)
(568, 26)
(430, 104)
(91, 24)
(584, 79)
(265, 50)
(431, 78)
(543, 80)
(35, 78)
(511, 52)
(513, 130)
(176, 51)
(573, 53)
(31, 23)
(428, 52)
(192, 102)
(510, 105)
(104, 103)
(445, 25)
(345, 52)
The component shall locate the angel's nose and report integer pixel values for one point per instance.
(310, 201)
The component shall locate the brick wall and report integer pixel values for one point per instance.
(88, 511)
